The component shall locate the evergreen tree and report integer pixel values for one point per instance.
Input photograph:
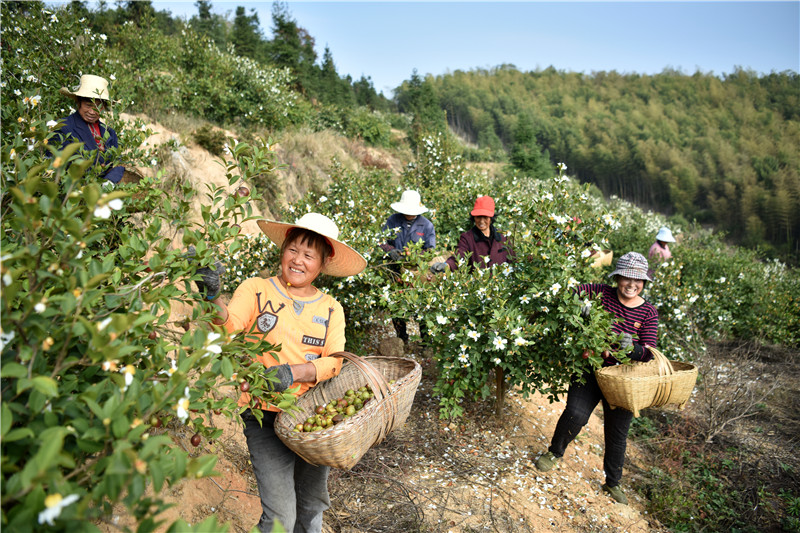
(245, 34)
(526, 154)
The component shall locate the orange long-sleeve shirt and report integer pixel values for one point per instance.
(308, 329)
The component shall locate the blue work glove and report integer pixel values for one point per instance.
(210, 282)
(395, 254)
(284, 378)
(438, 268)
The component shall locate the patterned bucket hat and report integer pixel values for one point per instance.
(632, 265)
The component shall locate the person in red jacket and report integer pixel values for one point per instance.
(483, 245)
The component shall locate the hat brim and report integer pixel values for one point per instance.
(481, 213)
(631, 273)
(66, 92)
(344, 262)
(409, 209)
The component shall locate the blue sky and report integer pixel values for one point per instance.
(388, 40)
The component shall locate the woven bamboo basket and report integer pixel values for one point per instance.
(343, 445)
(602, 258)
(653, 384)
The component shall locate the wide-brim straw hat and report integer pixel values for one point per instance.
(665, 235)
(344, 262)
(410, 204)
(91, 86)
(632, 265)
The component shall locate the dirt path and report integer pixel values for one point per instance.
(474, 475)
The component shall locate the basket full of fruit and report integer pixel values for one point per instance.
(343, 417)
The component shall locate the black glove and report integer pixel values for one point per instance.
(395, 254)
(210, 283)
(284, 378)
(438, 268)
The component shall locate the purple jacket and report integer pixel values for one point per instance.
(495, 247)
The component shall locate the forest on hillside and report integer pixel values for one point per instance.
(718, 150)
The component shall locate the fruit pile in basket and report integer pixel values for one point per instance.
(338, 410)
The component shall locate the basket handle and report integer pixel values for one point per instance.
(379, 386)
(664, 388)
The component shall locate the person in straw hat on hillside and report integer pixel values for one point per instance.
(91, 99)
(637, 323)
(405, 226)
(484, 245)
(309, 325)
(659, 251)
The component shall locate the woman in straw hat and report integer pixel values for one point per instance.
(309, 325)
(659, 251)
(637, 322)
(405, 226)
(91, 98)
(483, 243)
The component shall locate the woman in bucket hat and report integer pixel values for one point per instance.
(637, 322)
(660, 249)
(310, 326)
(484, 245)
(91, 99)
(405, 226)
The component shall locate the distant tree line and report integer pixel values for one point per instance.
(719, 150)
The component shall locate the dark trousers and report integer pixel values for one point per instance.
(582, 398)
(401, 328)
(293, 492)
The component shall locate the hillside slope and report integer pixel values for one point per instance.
(427, 476)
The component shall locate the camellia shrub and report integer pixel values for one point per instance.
(95, 359)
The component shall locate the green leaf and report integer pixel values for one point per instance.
(13, 369)
(17, 434)
(46, 386)
(7, 419)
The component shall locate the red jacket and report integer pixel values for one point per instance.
(495, 247)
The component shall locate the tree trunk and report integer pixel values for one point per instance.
(500, 390)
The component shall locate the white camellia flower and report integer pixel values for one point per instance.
(474, 335)
(51, 123)
(54, 504)
(103, 212)
(499, 343)
(496, 360)
(182, 408)
(555, 288)
(519, 341)
(441, 319)
(129, 371)
(40, 307)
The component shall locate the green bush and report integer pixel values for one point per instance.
(93, 362)
(211, 139)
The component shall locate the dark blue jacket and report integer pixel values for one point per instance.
(76, 129)
(421, 228)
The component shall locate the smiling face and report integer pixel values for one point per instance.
(302, 258)
(628, 290)
(484, 224)
(90, 110)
